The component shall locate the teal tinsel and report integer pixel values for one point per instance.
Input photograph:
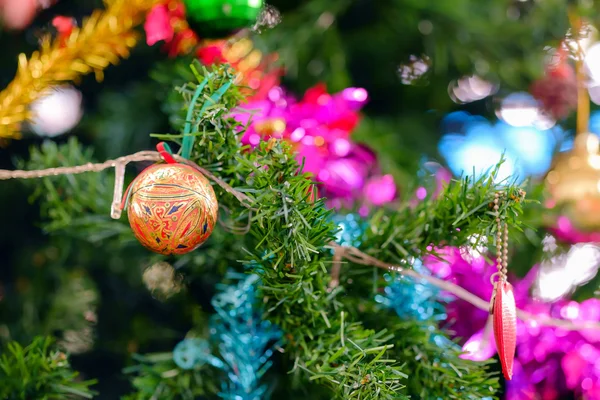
(244, 341)
(416, 299)
(190, 352)
(194, 352)
(412, 298)
(351, 229)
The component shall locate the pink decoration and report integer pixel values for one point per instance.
(158, 25)
(550, 362)
(320, 126)
(381, 190)
(565, 231)
(17, 14)
(167, 22)
(210, 55)
(480, 346)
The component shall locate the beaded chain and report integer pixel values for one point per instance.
(501, 249)
(501, 240)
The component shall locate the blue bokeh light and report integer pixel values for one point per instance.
(472, 144)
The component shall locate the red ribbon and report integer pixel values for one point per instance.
(165, 153)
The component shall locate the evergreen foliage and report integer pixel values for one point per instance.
(38, 371)
(286, 247)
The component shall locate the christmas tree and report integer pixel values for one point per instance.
(228, 199)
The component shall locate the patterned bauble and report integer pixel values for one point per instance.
(172, 208)
(220, 18)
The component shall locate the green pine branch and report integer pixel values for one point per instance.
(436, 369)
(327, 341)
(286, 247)
(38, 371)
(156, 376)
(430, 358)
(464, 209)
(326, 344)
(74, 205)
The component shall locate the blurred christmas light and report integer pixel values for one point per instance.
(414, 70)
(562, 274)
(472, 144)
(469, 89)
(476, 153)
(521, 110)
(533, 147)
(57, 112)
(592, 64)
(477, 247)
(162, 280)
(566, 144)
(573, 182)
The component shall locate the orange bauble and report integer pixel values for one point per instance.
(172, 208)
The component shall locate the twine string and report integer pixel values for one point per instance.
(358, 257)
(136, 157)
(349, 253)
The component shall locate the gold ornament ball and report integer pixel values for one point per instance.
(172, 208)
(574, 182)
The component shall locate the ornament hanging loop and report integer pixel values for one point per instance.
(119, 201)
(116, 209)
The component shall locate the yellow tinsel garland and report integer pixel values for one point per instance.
(104, 38)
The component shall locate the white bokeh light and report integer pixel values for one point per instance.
(57, 112)
(479, 158)
(521, 110)
(595, 93)
(477, 246)
(562, 274)
(412, 71)
(592, 64)
(470, 89)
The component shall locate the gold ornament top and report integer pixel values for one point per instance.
(104, 38)
(574, 182)
(576, 173)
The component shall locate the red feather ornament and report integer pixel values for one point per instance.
(505, 326)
